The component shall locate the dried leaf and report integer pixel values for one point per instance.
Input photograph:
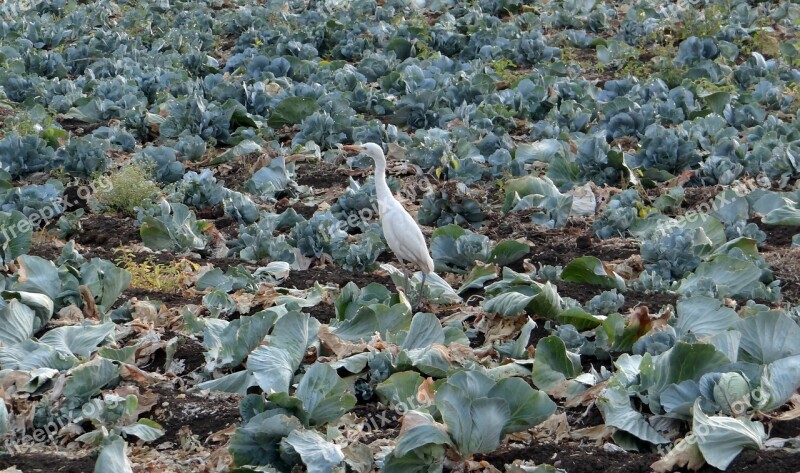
(683, 455)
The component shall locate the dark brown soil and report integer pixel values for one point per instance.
(109, 231)
(210, 213)
(77, 127)
(538, 333)
(339, 276)
(699, 198)
(579, 417)
(192, 353)
(320, 175)
(778, 236)
(586, 459)
(46, 250)
(163, 257)
(785, 265)
(560, 246)
(584, 292)
(785, 429)
(572, 458)
(381, 422)
(47, 463)
(590, 362)
(75, 198)
(50, 250)
(654, 301)
(324, 313)
(6, 112)
(189, 350)
(306, 211)
(167, 298)
(203, 414)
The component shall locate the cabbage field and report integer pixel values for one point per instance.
(194, 277)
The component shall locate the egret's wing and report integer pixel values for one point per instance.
(405, 237)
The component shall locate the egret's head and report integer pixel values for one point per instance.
(372, 150)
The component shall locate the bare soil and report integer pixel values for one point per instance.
(588, 459)
(47, 463)
(381, 422)
(189, 350)
(106, 230)
(168, 298)
(203, 414)
(306, 279)
(320, 175)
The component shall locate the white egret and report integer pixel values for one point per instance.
(399, 228)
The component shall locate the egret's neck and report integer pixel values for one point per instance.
(382, 190)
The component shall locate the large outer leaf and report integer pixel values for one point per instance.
(41, 304)
(16, 323)
(400, 389)
(768, 337)
(703, 317)
(272, 368)
(469, 384)
(238, 382)
(579, 318)
(419, 429)
(112, 457)
(319, 455)
(733, 277)
(292, 110)
(432, 361)
(105, 281)
(590, 270)
(779, 382)
(78, 340)
(37, 274)
(429, 459)
(145, 429)
(475, 426)
(519, 348)
(478, 276)
(553, 363)
(374, 318)
(678, 399)
(538, 299)
(155, 234)
(324, 394)
(88, 380)
(721, 439)
(507, 252)
(525, 186)
(426, 330)
(294, 332)
(15, 235)
(618, 412)
(30, 355)
(257, 443)
(528, 407)
(682, 362)
(237, 339)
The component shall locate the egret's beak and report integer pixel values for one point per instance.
(353, 148)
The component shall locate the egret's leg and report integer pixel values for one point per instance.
(405, 274)
(422, 288)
